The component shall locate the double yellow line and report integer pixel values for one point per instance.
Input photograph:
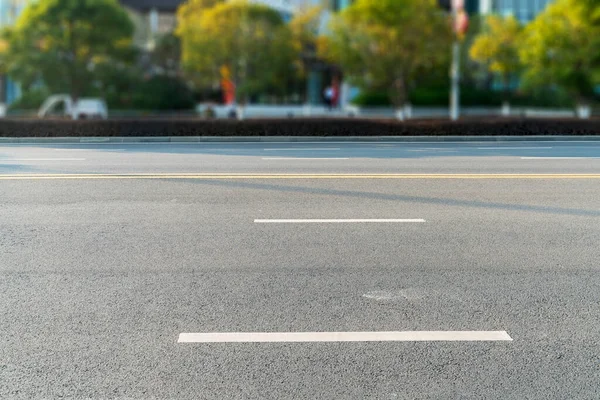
(204, 176)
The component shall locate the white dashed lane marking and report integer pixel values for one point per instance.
(334, 221)
(394, 336)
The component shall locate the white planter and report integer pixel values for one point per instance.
(400, 114)
(307, 110)
(352, 111)
(240, 113)
(584, 111)
(408, 111)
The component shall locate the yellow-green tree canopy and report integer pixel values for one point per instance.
(562, 47)
(496, 46)
(62, 41)
(250, 40)
(189, 12)
(304, 27)
(384, 44)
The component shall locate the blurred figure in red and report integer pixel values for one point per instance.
(335, 97)
(227, 86)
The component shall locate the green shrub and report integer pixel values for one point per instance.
(30, 100)
(549, 97)
(163, 93)
(372, 99)
(469, 97)
(473, 97)
(428, 97)
(431, 97)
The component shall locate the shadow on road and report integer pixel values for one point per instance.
(400, 198)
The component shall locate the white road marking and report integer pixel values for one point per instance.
(305, 158)
(398, 336)
(560, 158)
(331, 221)
(382, 295)
(104, 151)
(42, 159)
(512, 148)
(433, 149)
(305, 149)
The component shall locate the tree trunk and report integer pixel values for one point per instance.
(75, 91)
(72, 67)
(506, 87)
(397, 93)
(398, 97)
(582, 106)
(506, 95)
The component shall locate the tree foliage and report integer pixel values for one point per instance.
(250, 40)
(386, 44)
(166, 55)
(304, 27)
(61, 42)
(496, 47)
(562, 47)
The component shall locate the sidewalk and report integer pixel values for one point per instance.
(288, 139)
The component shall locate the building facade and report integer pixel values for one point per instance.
(337, 5)
(286, 8)
(151, 18)
(523, 10)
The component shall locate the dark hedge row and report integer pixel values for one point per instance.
(297, 127)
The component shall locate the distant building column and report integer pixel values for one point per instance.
(3, 79)
(314, 84)
(346, 95)
(153, 23)
(13, 91)
(485, 7)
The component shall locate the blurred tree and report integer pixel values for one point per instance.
(592, 10)
(166, 54)
(61, 42)
(188, 12)
(387, 44)
(561, 47)
(496, 48)
(118, 84)
(305, 25)
(251, 40)
(305, 34)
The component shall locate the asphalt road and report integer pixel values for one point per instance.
(101, 269)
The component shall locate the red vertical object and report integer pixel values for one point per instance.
(336, 92)
(461, 23)
(228, 88)
(458, 4)
(461, 18)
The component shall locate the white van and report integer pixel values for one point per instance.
(86, 108)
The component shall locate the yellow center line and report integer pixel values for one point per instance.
(293, 176)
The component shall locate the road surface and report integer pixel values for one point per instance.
(300, 270)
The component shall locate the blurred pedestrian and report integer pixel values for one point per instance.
(335, 93)
(328, 95)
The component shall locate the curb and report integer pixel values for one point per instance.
(288, 139)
